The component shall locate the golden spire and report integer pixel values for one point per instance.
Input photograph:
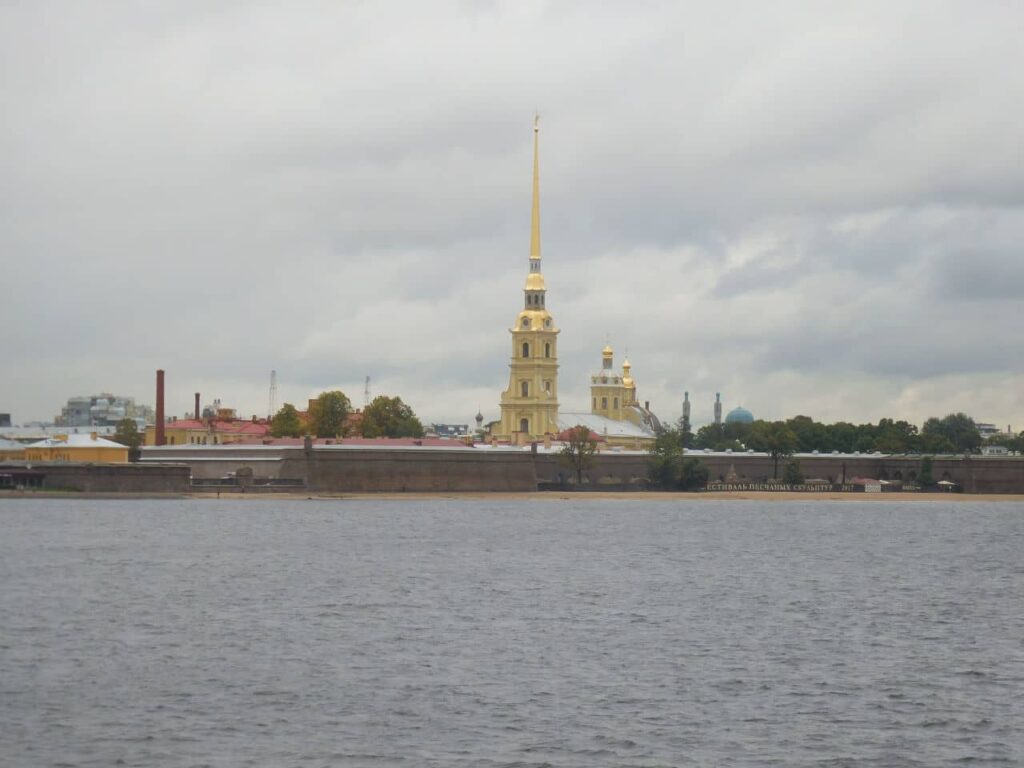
(535, 218)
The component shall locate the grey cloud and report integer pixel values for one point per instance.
(225, 189)
(981, 276)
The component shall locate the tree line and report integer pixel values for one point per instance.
(669, 467)
(955, 433)
(329, 414)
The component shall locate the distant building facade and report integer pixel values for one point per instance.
(82, 447)
(209, 432)
(103, 410)
(451, 430)
(10, 449)
(615, 413)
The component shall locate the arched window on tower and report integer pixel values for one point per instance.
(526, 349)
(547, 349)
(524, 388)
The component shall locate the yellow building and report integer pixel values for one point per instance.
(612, 395)
(89, 448)
(615, 413)
(11, 450)
(529, 406)
(208, 432)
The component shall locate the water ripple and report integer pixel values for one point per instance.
(477, 633)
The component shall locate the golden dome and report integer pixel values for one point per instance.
(607, 351)
(627, 380)
(535, 281)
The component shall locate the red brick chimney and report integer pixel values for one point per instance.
(160, 438)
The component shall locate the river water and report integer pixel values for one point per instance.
(511, 633)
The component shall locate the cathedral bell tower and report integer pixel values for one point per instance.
(529, 407)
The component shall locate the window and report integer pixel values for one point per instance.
(547, 386)
(524, 388)
(615, 402)
(526, 349)
(547, 349)
(524, 425)
(604, 403)
(526, 322)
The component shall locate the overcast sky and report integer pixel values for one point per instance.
(813, 208)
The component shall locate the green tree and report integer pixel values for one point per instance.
(692, 475)
(286, 422)
(578, 451)
(792, 474)
(810, 434)
(709, 436)
(924, 477)
(668, 467)
(895, 437)
(721, 437)
(329, 412)
(686, 432)
(127, 433)
(664, 464)
(773, 438)
(935, 443)
(958, 428)
(390, 417)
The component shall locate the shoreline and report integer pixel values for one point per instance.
(650, 496)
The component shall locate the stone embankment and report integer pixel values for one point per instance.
(339, 469)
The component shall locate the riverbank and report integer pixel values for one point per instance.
(649, 496)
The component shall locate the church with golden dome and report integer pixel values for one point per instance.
(529, 405)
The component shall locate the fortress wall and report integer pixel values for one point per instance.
(385, 470)
(116, 478)
(396, 470)
(977, 474)
(211, 462)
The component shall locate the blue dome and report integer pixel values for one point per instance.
(739, 416)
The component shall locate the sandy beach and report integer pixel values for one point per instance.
(646, 496)
(651, 496)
